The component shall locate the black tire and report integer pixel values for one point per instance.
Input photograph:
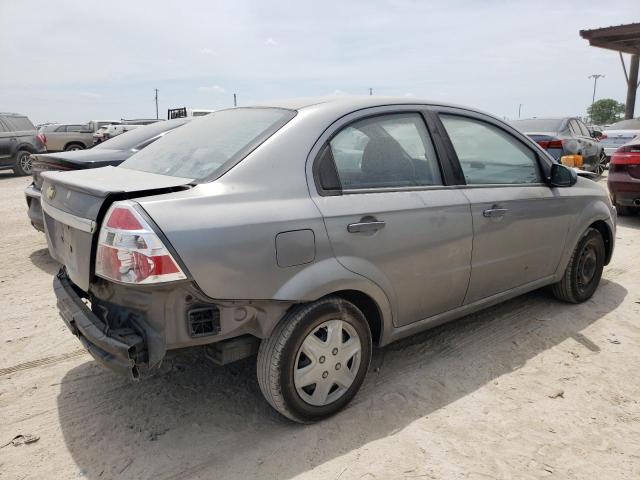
(23, 163)
(279, 353)
(601, 163)
(73, 146)
(583, 273)
(624, 211)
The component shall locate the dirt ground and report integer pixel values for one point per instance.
(531, 388)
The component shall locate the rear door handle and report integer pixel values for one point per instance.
(495, 212)
(371, 226)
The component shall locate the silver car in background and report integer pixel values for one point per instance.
(618, 134)
(309, 231)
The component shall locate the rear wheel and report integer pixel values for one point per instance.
(315, 360)
(601, 163)
(23, 163)
(623, 210)
(73, 147)
(583, 273)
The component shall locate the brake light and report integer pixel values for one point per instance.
(129, 251)
(626, 155)
(550, 143)
(42, 137)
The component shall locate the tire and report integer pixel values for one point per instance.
(601, 164)
(583, 273)
(623, 211)
(283, 359)
(23, 163)
(72, 147)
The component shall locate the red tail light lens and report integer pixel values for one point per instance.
(42, 137)
(129, 251)
(626, 155)
(546, 144)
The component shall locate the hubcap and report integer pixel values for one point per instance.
(587, 264)
(25, 162)
(327, 363)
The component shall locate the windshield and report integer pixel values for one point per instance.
(631, 124)
(211, 145)
(135, 137)
(538, 125)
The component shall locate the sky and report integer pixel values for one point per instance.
(73, 61)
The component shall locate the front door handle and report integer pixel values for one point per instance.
(368, 226)
(495, 212)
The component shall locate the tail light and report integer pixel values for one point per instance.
(129, 251)
(42, 137)
(626, 155)
(602, 137)
(546, 144)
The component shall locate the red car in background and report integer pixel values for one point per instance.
(624, 178)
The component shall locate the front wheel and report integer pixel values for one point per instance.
(601, 164)
(583, 273)
(315, 360)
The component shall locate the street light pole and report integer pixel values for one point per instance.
(519, 110)
(595, 77)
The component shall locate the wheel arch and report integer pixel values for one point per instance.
(74, 142)
(607, 236)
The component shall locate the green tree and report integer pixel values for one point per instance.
(604, 111)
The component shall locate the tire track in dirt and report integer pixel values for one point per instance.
(40, 362)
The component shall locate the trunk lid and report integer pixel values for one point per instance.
(617, 138)
(74, 202)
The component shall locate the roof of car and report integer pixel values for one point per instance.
(354, 101)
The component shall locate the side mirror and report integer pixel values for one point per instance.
(562, 176)
(596, 133)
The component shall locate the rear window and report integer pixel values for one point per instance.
(538, 125)
(140, 135)
(19, 123)
(211, 145)
(631, 124)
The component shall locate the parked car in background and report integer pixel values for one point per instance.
(113, 153)
(110, 131)
(624, 178)
(619, 133)
(70, 137)
(18, 140)
(306, 231)
(567, 136)
(187, 112)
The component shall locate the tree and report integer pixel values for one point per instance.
(605, 111)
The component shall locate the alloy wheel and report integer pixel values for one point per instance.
(25, 162)
(327, 362)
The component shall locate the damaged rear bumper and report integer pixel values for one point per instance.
(123, 351)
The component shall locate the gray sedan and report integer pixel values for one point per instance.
(309, 231)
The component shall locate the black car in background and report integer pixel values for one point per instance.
(109, 153)
(566, 136)
(18, 140)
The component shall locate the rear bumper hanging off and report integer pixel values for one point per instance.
(123, 351)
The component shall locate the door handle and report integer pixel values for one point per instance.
(495, 212)
(369, 226)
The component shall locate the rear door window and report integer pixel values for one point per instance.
(387, 151)
(490, 155)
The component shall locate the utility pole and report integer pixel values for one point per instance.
(370, 91)
(235, 101)
(519, 109)
(595, 77)
(156, 98)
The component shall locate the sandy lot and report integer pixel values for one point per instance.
(531, 388)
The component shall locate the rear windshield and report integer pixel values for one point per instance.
(631, 124)
(538, 125)
(210, 145)
(19, 123)
(133, 138)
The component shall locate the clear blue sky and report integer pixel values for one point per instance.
(78, 60)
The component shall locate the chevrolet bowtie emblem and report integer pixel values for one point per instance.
(51, 192)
